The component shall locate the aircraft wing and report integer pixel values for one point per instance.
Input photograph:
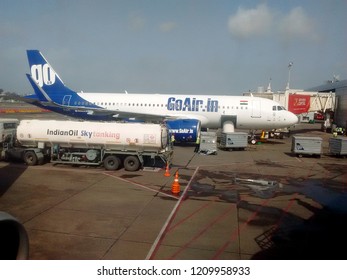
(126, 115)
(116, 114)
(32, 99)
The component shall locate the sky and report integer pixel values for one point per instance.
(179, 46)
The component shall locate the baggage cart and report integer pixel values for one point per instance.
(338, 146)
(306, 145)
(233, 140)
(208, 143)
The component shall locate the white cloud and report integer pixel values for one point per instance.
(167, 26)
(137, 22)
(297, 25)
(252, 22)
(261, 21)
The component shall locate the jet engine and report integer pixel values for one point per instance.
(184, 130)
(14, 242)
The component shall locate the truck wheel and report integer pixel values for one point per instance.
(131, 163)
(112, 162)
(30, 158)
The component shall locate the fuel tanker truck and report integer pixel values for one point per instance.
(110, 144)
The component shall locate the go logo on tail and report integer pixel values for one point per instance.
(43, 74)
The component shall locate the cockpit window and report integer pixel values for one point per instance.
(278, 108)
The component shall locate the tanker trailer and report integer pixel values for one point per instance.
(94, 143)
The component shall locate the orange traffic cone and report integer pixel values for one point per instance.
(167, 171)
(175, 188)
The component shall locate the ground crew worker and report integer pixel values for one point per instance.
(197, 144)
(172, 139)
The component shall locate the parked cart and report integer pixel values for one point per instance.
(338, 146)
(208, 143)
(306, 145)
(233, 140)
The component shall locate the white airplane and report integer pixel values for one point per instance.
(183, 113)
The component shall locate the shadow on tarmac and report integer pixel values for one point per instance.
(9, 174)
(321, 237)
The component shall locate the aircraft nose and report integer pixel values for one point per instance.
(292, 119)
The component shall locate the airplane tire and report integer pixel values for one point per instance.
(112, 162)
(131, 163)
(30, 158)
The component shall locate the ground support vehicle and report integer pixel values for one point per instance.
(338, 146)
(208, 143)
(306, 145)
(7, 126)
(110, 144)
(233, 141)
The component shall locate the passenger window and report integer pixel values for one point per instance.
(273, 108)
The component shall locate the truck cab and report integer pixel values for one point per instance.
(7, 127)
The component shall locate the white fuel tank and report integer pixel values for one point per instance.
(86, 134)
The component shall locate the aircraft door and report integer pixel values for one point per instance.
(256, 109)
(66, 100)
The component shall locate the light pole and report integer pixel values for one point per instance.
(289, 67)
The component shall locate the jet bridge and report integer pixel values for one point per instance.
(318, 101)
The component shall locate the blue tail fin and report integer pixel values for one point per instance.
(39, 93)
(45, 76)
